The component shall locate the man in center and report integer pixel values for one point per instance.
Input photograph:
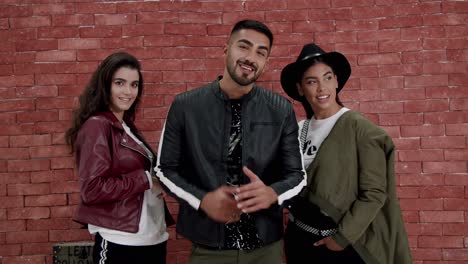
(229, 152)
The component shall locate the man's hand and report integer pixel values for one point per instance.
(329, 243)
(256, 195)
(220, 205)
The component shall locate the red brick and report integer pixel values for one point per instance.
(12, 225)
(142, 30)
(454, 7)
(423, 130)
(27, 236)
(420, 155)
(436, 241)
(400, 22)
(58, 32)
(444, 43)
(455, 229)
(55, 79)
(400, 70)
(28, 189)
(444, 166)
(137, 7)
(57, 103)
(421, 204)
(56, 55)
(263, 5)
(122, 42)
(344, 3)
(423, 56)
(382, 82)
(425, 105)
(403, 94)
(455, 254)
(444, 92)
(456, 204)
(51, 176)
(459, 104)
(18, 105)
(380, 35)
(445, 19)
(72, 44)
(417, 9)
(10, 250)
(329, 13)
(357, 25)
(421, 179)
(37, 116)
(39, 259)
(408, 167)
(407, 143)
(161, 17)
(28, 213)
(101, 32)
(36, 91)
(456, 31)
(114, 19)
(96, 8)
(443, 142)
(381, 107)
(178, 245)
(49, 151)
(445, 117)
(456, 154)
(70, 235)
(61, 211)
(456, 179)
(30, 22)
(38, 249)
(46, 200)
(53, 9)
(48, 224)
(400, 119)
(431, 229)
(449, 68)
(24, 80)
(408, 192)
(8, 178)
(399, 46)
(441, 216)
(14, 153)
(10, 11)
(372, 12)
(11, 201)
(458, 79)
(36, 45)
(410, 216)
(65, 187)
(366, 71)
(22, 129)
(194, 6)
(62, 163)
(185, 53)
(312, 26)
(442, 192)
(427, 80)
(28, 165)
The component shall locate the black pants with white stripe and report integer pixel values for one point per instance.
(105, 252)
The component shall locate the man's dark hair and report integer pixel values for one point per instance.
(254, 25)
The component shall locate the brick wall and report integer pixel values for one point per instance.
(409, 76)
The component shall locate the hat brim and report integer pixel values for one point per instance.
(292, 72)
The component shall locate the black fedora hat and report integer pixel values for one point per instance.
(292, 72)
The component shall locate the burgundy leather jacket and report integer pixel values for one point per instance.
(111, 167)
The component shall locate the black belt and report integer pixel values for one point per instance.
(310, 229)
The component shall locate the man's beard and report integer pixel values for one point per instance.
(241, 80)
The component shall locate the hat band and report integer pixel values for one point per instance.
(311, 56)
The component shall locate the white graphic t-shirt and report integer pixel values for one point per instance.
(316, 134)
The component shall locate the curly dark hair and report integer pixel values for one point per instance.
(96, 96)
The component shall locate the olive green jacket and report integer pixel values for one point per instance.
(352, 180)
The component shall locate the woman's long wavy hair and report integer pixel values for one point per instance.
(97, 94)
(301, 71)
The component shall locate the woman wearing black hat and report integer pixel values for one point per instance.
(349, 211)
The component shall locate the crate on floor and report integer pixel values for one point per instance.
(73, 253)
